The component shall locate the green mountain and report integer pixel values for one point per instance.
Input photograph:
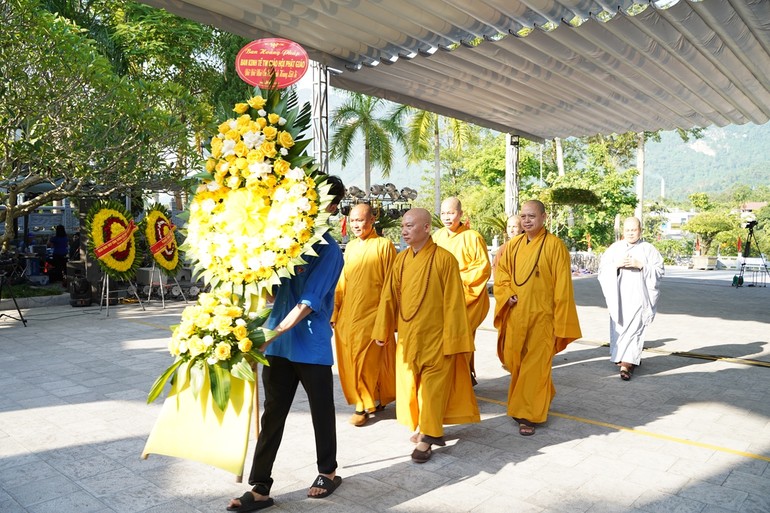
(724, 157)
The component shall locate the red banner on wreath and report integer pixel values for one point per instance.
(165, 241)
(256, 61)
(113, 244)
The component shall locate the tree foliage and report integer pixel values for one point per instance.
(70, 126)
(708, 224)
(366, 117)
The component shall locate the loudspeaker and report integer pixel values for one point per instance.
(80, 292)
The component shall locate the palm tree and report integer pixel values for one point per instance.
(359, 114)
(423, 138)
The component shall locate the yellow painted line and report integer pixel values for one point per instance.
(643, 432)
(685, 354)
(151, 325)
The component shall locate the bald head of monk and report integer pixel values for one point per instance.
(362, 220)
(532, 217)
(632, 230)
(415, 228)
(451, 212)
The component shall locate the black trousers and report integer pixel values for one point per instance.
(280, 380)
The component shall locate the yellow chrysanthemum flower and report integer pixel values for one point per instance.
(240, 108)
(270, 132)
(245, 345)
(222, 351)
(257, 102)
(241, 332)
(285, 139)
(268, 148)
(281, 166)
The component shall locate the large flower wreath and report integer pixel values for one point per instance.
(260, 206)
(259, 209)
(160, 233)
(112, 239)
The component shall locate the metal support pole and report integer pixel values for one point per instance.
(320, 110)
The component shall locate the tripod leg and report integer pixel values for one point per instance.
(10, 291)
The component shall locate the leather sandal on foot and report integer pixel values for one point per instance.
(625, 375)
(526, 429)
(359, 418)
(419, 456)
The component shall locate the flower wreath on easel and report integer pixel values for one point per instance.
(112, 239)
(160, 233)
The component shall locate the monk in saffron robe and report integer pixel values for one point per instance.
(470, 250)
(629, 274)
(367, 371)
(535, 315)
(423, 300)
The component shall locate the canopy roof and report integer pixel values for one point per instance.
(536, 68)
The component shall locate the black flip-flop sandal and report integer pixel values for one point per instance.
(329, 485)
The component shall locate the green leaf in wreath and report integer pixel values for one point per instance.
(157, 387)
(197, 377)
(258, 357)
(241, 369)
(260, 335)
(220, 384)
(260, 319)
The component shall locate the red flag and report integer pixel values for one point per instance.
(344, 228)
(740, 244)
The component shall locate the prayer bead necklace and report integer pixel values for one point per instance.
(534, 268)
(424, 292)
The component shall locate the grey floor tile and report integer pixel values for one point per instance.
(77, 502)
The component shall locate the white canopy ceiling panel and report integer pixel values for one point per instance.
(693, 63)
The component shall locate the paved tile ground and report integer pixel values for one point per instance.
(686, 434)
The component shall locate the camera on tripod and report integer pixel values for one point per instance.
(750, 224)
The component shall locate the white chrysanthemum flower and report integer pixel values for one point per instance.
(208, 341)
(284, 242)
(284, 152)
(262, 112)
(267, 258)
(213, 186)
(298, 189)
(296, 173)
(282, 121)
(252, 139)
(208, 205)
(260, 168)
(228, 148)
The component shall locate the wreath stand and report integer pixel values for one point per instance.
(105, 295)
(161, 285)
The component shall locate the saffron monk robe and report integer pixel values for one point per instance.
(470, 250)
(366, 370)
(535, 315)
(423, 300)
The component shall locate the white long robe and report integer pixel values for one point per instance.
(631, 295)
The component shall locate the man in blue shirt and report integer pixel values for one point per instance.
(300, 353)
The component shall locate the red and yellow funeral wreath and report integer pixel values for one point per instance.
(112, 239)
(160, 233)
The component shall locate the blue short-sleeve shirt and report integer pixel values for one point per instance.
(312, 285)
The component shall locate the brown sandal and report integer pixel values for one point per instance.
(526, 429)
